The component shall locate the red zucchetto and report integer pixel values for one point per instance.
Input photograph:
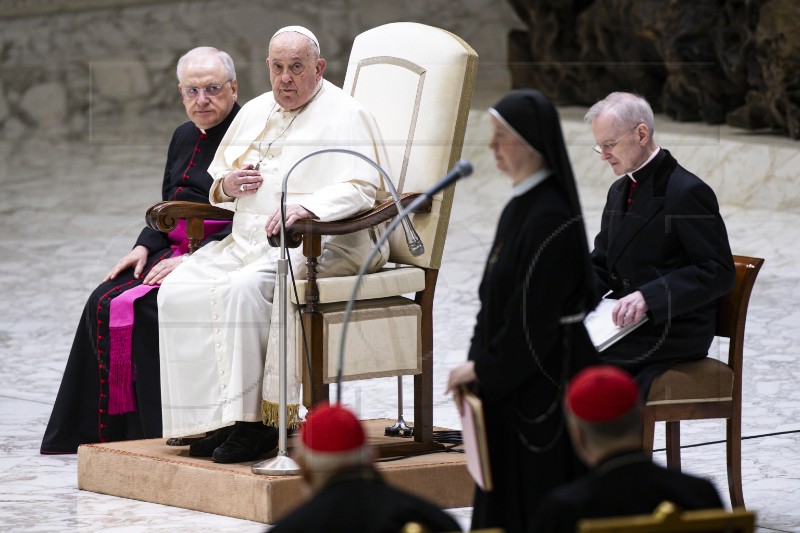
(601, 393)
(332, 438)
(332, 428)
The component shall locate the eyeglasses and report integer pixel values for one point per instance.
(610, 146)
(211, 90)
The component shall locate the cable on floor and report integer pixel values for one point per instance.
(776, 433)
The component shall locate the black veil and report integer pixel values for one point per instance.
(534, 119)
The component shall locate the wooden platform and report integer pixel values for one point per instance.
(151, 471)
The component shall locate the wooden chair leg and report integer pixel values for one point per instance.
(734, 457)
(423, 388)
(314, 389)
(423, 382)
(673, 435)
(648, 432)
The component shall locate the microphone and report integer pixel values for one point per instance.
(414, 243)
(462, 169)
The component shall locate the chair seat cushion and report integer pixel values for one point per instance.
(705, 380)
(381, 284)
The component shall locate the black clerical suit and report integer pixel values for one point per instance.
(622, 485)
(80, 413)
(358, 500)
(535, 276)
(671, 244)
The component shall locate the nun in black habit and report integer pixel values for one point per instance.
(529, 338)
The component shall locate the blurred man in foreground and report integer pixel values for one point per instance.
(348, 492)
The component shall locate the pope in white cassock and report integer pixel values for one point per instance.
(218, 327)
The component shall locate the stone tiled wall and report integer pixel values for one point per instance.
(104, 70)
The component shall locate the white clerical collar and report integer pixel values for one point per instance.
(655, 152)
(518, 189)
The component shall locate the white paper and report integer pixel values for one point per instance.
(601, 327)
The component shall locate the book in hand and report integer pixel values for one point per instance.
(601, 327)
(473, 433)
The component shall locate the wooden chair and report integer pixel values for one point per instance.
(417, 81)
(669, 519)
(708, 388)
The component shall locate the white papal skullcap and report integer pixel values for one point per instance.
(301, 30)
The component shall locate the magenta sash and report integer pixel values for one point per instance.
(120, 372)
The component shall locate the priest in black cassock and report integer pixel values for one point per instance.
(529, 337)
(111, 388)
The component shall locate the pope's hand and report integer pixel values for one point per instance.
(294, 212)
(242, 182)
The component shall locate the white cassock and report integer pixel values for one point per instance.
(218, 329)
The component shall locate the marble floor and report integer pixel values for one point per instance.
(69, 210)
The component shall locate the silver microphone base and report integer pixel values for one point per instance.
(281, 465)
(399, 429)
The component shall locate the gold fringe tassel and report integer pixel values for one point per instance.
(269, 414)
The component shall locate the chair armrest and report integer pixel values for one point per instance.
(163, 216)
(382, 212)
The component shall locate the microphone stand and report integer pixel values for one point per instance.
(399, 428)
(282, 464)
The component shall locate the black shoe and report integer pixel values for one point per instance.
(247, 442)
(205, 447)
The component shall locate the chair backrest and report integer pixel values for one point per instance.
(417, 81)
(732, 310)
(669, 519)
